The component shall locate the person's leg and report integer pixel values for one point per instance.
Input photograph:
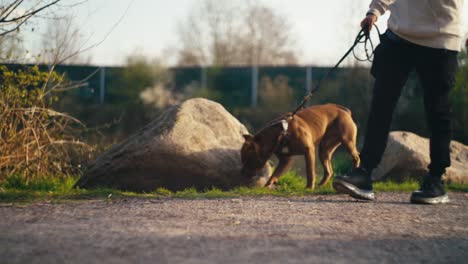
(391, 67)
(391, 71)
(387, 90)
(436, 70)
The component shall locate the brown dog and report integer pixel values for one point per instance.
(323, 126)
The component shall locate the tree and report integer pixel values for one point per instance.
(226, 33)
(13, 15)
(57, 41)
(11, 47)
(61, 43)
(267, 38)
(16, 13)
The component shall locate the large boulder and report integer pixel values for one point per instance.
(407, 157)
(195, 144)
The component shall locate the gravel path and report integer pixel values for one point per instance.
(312, 229)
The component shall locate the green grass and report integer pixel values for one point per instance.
(16, 189)
(408, 186)
(454, 187)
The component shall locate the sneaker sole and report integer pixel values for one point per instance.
(353, 191)
(435, 200)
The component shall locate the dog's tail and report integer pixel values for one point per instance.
(347, 111)
(344, 108)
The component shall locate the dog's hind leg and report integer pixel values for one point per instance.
(283, 164)
(326, 151)
(351, 147)
(349, 140)
(310, 167)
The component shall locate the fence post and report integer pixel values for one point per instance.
(204, 78)
(102, 88)
(254, 90)
(308, 87)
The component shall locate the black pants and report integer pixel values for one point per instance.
(394, 60)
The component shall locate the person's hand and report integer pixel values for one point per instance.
(368, 22)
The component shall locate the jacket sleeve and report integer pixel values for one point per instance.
(379, 7)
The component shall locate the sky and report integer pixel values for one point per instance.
(322, 30)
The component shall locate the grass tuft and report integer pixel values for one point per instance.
(163, 192)
(190, 193)
(46, 184)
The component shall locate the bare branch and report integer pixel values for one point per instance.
(13, 29)
(20, 20)
(27, 15)
(50, 112)
(10, 9)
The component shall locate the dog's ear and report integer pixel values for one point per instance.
(248, 138)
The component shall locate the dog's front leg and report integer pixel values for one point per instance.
(284, 162)
(310, 167)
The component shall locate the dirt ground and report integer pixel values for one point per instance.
(312, 229)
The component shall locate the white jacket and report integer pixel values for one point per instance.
(430, 23)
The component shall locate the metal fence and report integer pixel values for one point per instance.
(241, 84)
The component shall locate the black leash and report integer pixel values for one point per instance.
(362, 37)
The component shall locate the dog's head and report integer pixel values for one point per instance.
(252, 162)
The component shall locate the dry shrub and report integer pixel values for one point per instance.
(36, 141)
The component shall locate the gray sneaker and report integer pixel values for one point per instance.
(357, 183)
(432, 191)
